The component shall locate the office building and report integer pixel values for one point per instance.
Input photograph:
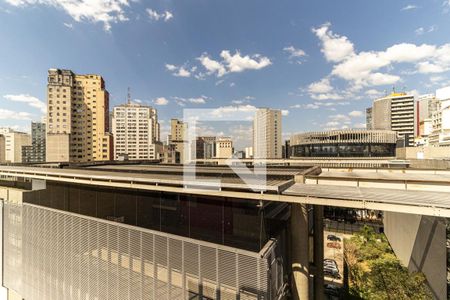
(248, 152)
(344, 143)
(224, 147)
(369, 118)
(440, 120)
(13, 143)
(205, 147)
(267, 137)
(396, 112)
(177, 137)
(35, 153)
(135, 129)
(77, 118)
(2, 149)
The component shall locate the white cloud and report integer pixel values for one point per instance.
(238, 63)
(327, 96)
(284, 112)
(6, 114)
(322, 86)
(161, 101)
(155, 16)
(422, 30)
(374, 93)
(319, 104)
(233, 63)
(446, 5)
(409, 7)
(436, 79)
(335, 48)
(356, 114)
(198, 100)
(178, 71)
(171, 67)
(370, 68)
(295, 54)
(95, 11)
(30, 100)
(182, 72)
(235, 111)
(212, 66)
(311, 106)
(427, 68)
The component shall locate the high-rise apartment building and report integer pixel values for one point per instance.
(136, 131)
(2, 149)
(369, 118)
(177, 136)
(35, 153)
(267, 139)
(224, 147)
(13, 143)
(396, 112)
(440, 120)
(77, 118)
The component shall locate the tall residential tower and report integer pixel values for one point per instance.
(267, 139)
(77, 118)
(136, 130)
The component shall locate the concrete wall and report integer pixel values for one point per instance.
(420, 244)
(423, 152)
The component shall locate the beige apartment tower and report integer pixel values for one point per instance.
(11, 145)
(136, 131)
(267, 139)
(224, 147)
(77, 118)
(177, 132)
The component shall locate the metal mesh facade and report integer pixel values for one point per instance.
(52, 254)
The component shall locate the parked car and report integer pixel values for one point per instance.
(332, 237)
(335, 245)
(332, 290)
(331, 272)
(330, 262)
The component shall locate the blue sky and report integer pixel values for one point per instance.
(322, 62)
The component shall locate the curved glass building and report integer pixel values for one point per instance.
(344, 143)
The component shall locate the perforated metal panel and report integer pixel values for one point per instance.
(51, 254)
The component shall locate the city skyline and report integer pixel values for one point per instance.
(312, 72)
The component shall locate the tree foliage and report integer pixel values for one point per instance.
(376, 273)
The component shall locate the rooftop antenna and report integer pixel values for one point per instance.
(393, 89)
(129, 96)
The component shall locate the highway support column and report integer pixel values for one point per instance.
(318, 253)
(299, 252)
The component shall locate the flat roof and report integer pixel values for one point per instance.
(215, 170)
(384, 176)
(372, 195)
(277, 188)
(211, 177)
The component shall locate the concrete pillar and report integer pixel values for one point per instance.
(318, 253)
(299, 252)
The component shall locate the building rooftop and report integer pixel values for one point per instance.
(416, 191)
